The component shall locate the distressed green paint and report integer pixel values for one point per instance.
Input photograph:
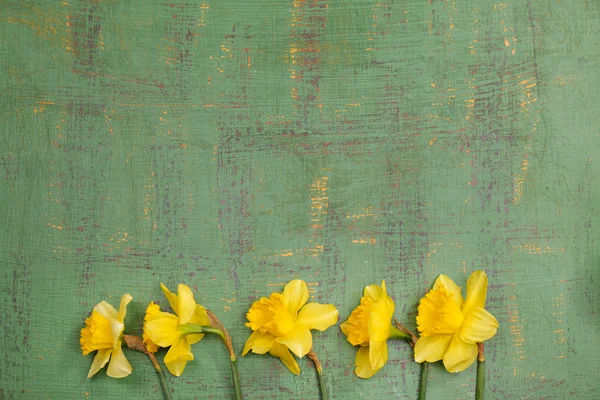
(235, 147)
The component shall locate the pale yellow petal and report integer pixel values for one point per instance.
(479, 326)
(100, 360)
(374, 292)
(259, 343)
(118, 367)
(162, 329)
(380, 319)
(460, 355)
(117, 329)
(378, 354)
(172, 298)
(187, 304)
(296, 295)
(432, 348)
(318, 316)
(363, 364)
(451, 288)
(125, 300)
(178, 356)
(282, 352)
(476, 291)
(298, 340)
(106, 310)
(200, 317)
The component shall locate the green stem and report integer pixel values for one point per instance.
(190, 329)
(396, 333)
(322, 388)
(161, 376)
(423, 384)
(480, 385)
(236, 378)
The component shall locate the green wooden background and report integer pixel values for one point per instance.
(236, 145)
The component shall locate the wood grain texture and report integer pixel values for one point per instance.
(237, 145)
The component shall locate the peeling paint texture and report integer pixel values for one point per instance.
(236, 145)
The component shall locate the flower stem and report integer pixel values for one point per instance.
(322, 388)
(423, 384)
(218, 329)
(136, 343)
(161, 376)
(480, 385)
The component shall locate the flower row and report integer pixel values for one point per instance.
(451, 328)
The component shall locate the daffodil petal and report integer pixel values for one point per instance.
(431, 348)
(296, 295)
(125, 300)
(451, 288)
(106, 310)
(298, 340)
(200, 317)
(460, 355)
(172, 298)
(364, 368)
(118, 367)
(476, 291)
(378, 354)
(381, 319)
(162, 329)
(259, 343)
(374, 291)
(178, 356)
(318, 316)
(100, 360)
(282, 352)
(116, 329)
(479, 326)
(187, 304)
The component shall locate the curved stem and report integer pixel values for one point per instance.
(189, 329)
(161, 376)
(322, 388)
(136, 343)
(423, 384)
(480, 385)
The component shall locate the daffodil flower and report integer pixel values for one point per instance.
(370, 326)
(169, 330)
(103, 333)
(451, 327)
(282, 322)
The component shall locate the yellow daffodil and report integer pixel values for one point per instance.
(282, 322)
(370, 326)
(165, 329)
(450, 326)
(104, 332)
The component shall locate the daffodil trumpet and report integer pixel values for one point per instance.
(136, 343)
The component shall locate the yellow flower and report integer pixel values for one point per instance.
(103, 332)
(369, 326)
(283, 322)
(165, 329)
(450, 326)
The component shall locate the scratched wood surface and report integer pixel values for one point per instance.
(236, 145)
